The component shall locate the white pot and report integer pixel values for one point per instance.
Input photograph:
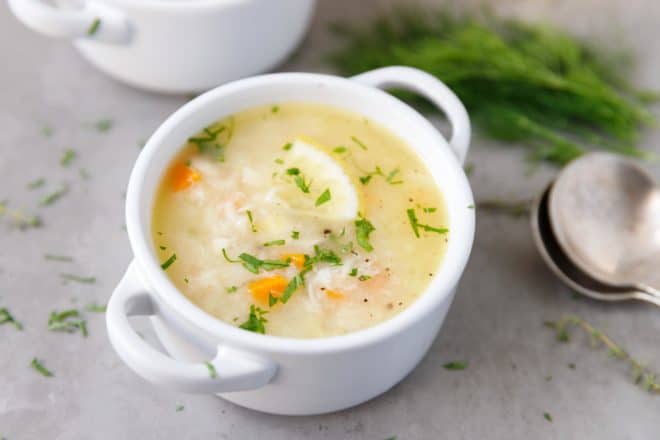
(176, 46)
(276, 374)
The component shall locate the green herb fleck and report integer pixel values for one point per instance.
(52, 197)
(287, 146)
(179, 408)
(364, 277)
(40, 368)
(84, 174)
(416, 226)
(362, 230)
(68, 321)
(231, 289)
(254, 264)
(296, 282)
(293, 171)
(255, 322)
(38, 183)
(253, 228)
(95, 308)
(47, 131)
(359, 142)
(295, 235)
(168, 262)
(94, 27)
(104, 125)
(547, 416)
(353, 272)
(68, 157)
(53, 257)
(162, 248)
(78, 279)
(214, 138)
(7, 318)
(279, 161)
(302, 183)
(212, 373)
(323, 198)
(275, 109)
(340, 149)
(275, 243)
(456, 365)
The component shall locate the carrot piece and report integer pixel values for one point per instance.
(334, 294)
(182, 176)
(298, 260)
(263, 287)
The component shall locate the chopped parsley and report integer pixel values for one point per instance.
(68, 321)
(162, 248)
(455, 365)
(179, 408)
(211, 369)
(255, 322)
(40, 368)
(94, 27)
(389, 177)
(295, 235)
(168, 262)
(294, 284)
(547, 416)
(359, 143)
(275, 109)
(231, 289)
(416, 225)
(279, 161)
(302, 183)
(324, 256)
(95, 308)
(210, 140)
(364, 277)
(77, 278)
(38, 183)
(324, 197)
(275, 243)
(429, 210)
(253, 228)
(254, 264)
(52, 197)
(287, 146)
(53, 257)
(68, 157)
(339, 150)
(353, 272)
(47, 131)
(103, 125)
(7, 318)
(271, 300)
(293, 171)
(362, 230)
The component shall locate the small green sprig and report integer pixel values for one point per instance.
(514, 208)
(7, 318)
(68, 321)
(18, 218)
(641, 375)
(256, 321)
(39, 367)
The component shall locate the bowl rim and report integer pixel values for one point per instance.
(439, 289)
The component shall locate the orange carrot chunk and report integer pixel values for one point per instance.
(262, 288)
(182, 176)
(333, 294)
(298, 260)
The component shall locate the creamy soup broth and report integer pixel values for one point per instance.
(299, 220)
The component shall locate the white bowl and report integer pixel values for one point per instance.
(175, 46)
(276, 374)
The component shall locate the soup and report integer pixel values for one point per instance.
(299, 220)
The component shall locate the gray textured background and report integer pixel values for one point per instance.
(495, 322)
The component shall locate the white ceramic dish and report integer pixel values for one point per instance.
(175, 46)
(274, 374)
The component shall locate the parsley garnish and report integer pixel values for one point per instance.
(271, 300)
(255, 322)
(364, 277)
(47, 131)
(249, 216)
(389, 177)
(94, 27)
(295, 235)
(456, 365)
(324, 256)
(302, 184)
(416, 225)
(253, 264)
(51, 198)
(275, 109)
(7, 318)
(68, 157)
(211, 369)
(339, 150)
(362, 230)
(77, 278)
(293, 171)
(179, 408)
(232, 289)
(275, 243)
(324, 197)
(279, 161)
(67, 321)
(294, 284)
(53, 257)
(39, 368)
(38, 183)
(359, 142)
(353, 272)
(168, 262)
(209, 141)
(287, 146)
(547, 416)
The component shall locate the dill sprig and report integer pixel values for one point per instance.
(19, 218)
(514, 208)
(641, 375)
(526, 83)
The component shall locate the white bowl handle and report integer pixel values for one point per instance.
(234, 370)
(434, 90)
(39, 16)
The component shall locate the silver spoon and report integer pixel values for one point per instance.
(568, 272)
(605, 214)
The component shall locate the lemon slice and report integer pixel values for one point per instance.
(314, 183)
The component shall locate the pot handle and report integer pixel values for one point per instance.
(434, 90)
(93, 21)
(230, 370)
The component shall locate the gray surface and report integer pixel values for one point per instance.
(495, 322)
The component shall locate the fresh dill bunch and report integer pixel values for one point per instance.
(525, 83)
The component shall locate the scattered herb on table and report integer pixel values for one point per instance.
(7, 318)
(68, 157)
(94, 27)
(47, 131)
(363, 228)
(515, 208)
(255, 322)
(168, 262)
(77, 278)
(104, 125)
(521, 82)
(54, 196)
(54, 257)
(37, 183)
(96, 308)
(455, 365)
(547, 416)
(179, 408)
(212, 373)
(296, 282)
(641, 375)
(39, 367)
(68, 321)
(323, 198)
(18, 217)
